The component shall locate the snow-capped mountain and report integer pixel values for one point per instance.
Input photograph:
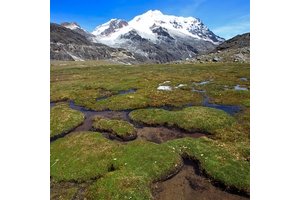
(110, 27)
(75, 27)
(71, 25)
(67, 44)
(158, 37)
(151, 36)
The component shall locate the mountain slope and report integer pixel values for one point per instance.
(239, 41)
(236, 49)
(159, 37)
(75, 27)
(66, 44)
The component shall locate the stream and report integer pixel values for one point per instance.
(230, 109)
(191, 184)
(156, 134)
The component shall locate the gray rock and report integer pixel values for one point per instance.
(236, 42)
(113, 25)
(167, 49)
(66, 44)
(216, 59)
(236, 49)
(79, 30)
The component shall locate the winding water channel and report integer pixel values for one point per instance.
(188, 182)
(157, 134)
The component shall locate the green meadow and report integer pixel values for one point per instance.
(91, 165)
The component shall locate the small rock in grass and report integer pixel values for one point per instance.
(216, 59)
(164, 88)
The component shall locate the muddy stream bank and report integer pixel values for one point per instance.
(190, 184)
(156, 134)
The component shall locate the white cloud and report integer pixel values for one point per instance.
(232, 29)
(191, 8)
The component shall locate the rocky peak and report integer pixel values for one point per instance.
(71, 25)
(110, 27)
(160, 31)
(133, 35)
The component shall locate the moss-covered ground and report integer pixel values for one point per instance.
(88, 155)
(218, 164)
(127, 171)
(63, 119)
(192, 119)
(119, 128)
(85, 84)
(116, 170)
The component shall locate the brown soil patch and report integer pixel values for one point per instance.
(163, 134)
(59, 191)
(188, 184)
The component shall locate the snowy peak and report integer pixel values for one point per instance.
(110, 27)
(76, 28)
(156, 16)
(158, 37)
(143, 24)
(188, 26)
(152, 14)
(71, 25)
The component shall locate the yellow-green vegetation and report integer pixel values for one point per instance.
(81, 157)
(235, 139)
(119, 170)
(63, 119)
(231, 97)
(85, 84)
(120, 185)
(119, 128)
(88, 63)
(89, 155)
(191, 119)
(218, 164)
(127, 171)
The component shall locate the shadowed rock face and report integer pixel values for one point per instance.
(64, 35)
(236, 49)
(167, 49)
(161, 32)
(202, 31)
(134, 36)
(135, 43)
(239, 41)
(115, 24)
(76, 28)
(66, 44)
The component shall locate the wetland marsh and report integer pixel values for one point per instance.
(116, 133)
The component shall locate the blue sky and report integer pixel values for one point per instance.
(225, 18)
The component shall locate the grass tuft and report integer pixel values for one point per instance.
(216, 162)
(63, 119)
(119, 128)
(190, 119)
